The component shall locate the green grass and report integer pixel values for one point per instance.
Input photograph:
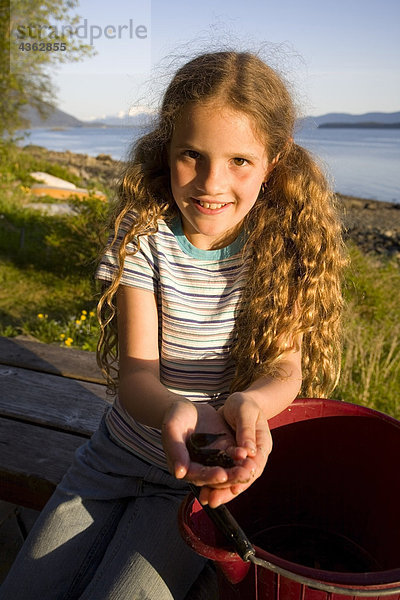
(64, 243)
(27, 291)
(47, 268)
(371, 357)
(16, 164)
(47, 263)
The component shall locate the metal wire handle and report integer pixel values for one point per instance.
(230, 528)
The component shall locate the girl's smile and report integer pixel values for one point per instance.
(209, 208)
(217, 167)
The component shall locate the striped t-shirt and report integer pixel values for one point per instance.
(197, 296)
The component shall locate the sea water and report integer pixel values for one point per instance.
(360, 162)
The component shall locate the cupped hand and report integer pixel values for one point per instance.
(184, 418)
(253, 435)
(247, 440)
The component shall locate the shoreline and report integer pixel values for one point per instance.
(373, 225)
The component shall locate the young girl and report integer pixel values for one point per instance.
(222, 301)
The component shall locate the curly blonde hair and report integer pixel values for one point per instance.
(294, 241)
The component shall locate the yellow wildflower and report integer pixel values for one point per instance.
(77, 322)
(91, 314)
(84, 312)
(83, 317)
(62, 336)
(68, 341)
(40, 316)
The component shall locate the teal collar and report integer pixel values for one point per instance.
(188, 248)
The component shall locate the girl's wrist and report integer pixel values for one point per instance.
(176, 404)
(242, 398)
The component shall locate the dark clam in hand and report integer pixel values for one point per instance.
(199, 451)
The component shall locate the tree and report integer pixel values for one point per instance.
(34, 37)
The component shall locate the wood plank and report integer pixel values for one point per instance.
(50, 400)
(50, 358)
(33, 461)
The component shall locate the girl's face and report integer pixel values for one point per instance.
(217, 167)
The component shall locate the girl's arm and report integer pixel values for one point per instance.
(247, 413)
(268, 394)
(150, 402)
(140, 390)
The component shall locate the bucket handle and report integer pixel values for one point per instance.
(320, 585)
(229, 527)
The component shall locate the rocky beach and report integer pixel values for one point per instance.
(372, 224)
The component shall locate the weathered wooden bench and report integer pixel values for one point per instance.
(51, 401)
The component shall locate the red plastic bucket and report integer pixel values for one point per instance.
(325, 515)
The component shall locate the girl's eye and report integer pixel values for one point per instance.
(191, 154)
(239, 162)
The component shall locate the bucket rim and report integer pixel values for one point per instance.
(361, 584)
(317, 408)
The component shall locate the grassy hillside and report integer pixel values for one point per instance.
(47, 263)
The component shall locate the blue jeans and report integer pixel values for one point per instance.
(108, 532)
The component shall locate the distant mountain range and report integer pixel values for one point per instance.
(360, 125)
(60, 119)
(366, 120)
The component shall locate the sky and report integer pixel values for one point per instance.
(340, 56)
